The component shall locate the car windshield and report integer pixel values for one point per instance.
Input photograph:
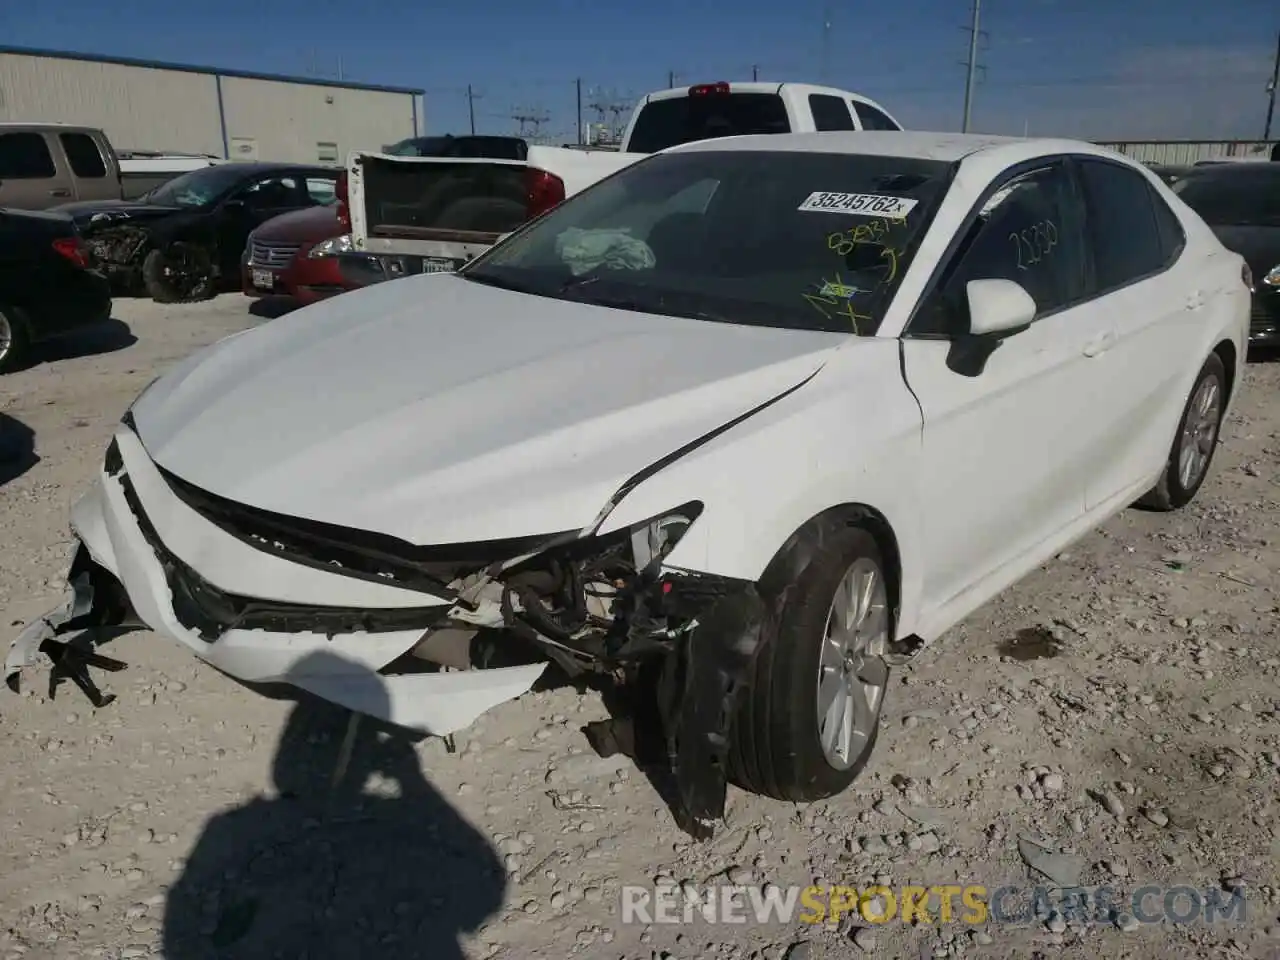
(1233, 198)
(804, 241)
(199, 188)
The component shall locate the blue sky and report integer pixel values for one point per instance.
(1106, 70)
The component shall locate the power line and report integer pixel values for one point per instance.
(472, 96)
(971, 65)
(529, 117)
(1271, 91)
(824, 67)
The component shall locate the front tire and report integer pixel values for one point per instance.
(809, 721)
(180, 273)
(1195, 442)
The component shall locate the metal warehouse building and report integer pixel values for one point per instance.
(148, 105)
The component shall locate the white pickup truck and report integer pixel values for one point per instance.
(432, 214)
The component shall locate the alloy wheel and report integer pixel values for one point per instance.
(852, 673)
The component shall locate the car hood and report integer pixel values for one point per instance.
(101, 212)
(311, 225)
(438, 410)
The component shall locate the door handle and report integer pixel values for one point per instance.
(1099, 344)
(60, 192)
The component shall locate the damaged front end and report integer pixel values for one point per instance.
(424, 637)
(680, 641)
(118, 246)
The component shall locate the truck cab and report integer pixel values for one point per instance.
(46, 164)
(668, 118)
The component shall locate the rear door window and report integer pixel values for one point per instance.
(830, 113)
(871, 118)
(25, 156)
(666, 123)
(1121, 229)
(1172, 237)
(322, 191)
(83, 155)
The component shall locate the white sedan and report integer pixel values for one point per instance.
(746, 423)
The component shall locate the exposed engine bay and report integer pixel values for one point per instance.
(588, 604)
(118, 249)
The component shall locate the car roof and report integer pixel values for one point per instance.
(993, 151)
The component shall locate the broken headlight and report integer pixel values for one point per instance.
(652, 540)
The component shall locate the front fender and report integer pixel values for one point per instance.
(852, 435)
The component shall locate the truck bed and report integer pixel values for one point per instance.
(453, 208)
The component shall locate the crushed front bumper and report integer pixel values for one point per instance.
(253, 615)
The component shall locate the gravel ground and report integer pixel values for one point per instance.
(1112, 720)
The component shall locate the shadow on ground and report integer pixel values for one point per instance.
(17, 448)
(106, 337)
(268, 308)
(377, 866)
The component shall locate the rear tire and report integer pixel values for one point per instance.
(180, 273)
(782, 737)
(15, 339)
(1195, 442)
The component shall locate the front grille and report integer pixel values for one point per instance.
(273, 256)
(210, 611)
(355, 553)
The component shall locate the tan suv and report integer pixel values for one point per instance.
(45, 164)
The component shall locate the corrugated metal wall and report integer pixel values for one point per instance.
(289, 121)
(153, 108)
(1186, 152)
(138, 107)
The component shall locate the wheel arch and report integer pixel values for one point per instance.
(1226, 351)
(798, 549)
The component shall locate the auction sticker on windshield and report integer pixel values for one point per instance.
(869, 204)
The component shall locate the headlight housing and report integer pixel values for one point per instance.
(332, 248)
(1272, 279)
(652, 540)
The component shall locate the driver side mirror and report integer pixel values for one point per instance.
(998, 308)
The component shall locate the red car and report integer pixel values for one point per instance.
(297, 255)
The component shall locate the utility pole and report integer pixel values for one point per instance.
(578, 86)
(1271, 91)
(471, 108)
(825, 64)
(971, 64)
(529, 118)
(671, 79)
(755, 73)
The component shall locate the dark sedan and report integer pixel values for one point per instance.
(1241, 202)
(46, 284)
(182, 241)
